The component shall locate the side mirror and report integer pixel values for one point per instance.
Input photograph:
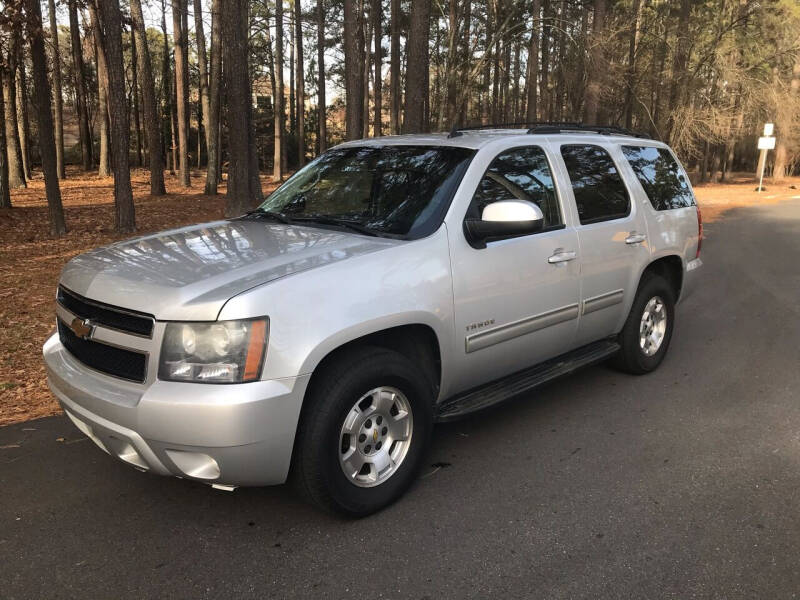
(503, 219)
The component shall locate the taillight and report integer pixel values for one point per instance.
(699, 231)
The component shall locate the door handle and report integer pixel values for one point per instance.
(635, 238)
(561, 255)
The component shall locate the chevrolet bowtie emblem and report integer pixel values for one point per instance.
(81, 328)
(374, 435)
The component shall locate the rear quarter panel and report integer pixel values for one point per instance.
(671, 232)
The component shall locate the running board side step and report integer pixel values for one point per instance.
(522, 381)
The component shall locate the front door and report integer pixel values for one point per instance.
(516, 300)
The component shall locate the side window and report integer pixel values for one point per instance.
(662, 178)
(599, 191)
(519, 174)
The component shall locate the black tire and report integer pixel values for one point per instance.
(316, 471)
(632, 358)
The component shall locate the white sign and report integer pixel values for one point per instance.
(766, 143)
(768, 129)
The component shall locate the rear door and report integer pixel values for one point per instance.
(612, 236)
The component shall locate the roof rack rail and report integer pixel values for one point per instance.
(601, 129)
(545, 127)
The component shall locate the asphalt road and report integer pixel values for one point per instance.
(681, 484)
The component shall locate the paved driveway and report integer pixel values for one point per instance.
(684, 483)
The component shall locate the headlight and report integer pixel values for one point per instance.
(221, 352)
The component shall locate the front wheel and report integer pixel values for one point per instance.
(364, 431)
(645, 338)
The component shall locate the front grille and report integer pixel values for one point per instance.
(125, 364)
(103, 314)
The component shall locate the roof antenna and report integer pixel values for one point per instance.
(454, 132)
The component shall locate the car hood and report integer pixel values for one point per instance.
(189, 273)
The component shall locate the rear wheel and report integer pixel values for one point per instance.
(364, 432)
(647, 332)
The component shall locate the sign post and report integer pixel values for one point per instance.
(765, 144)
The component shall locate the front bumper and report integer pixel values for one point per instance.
(232, 435)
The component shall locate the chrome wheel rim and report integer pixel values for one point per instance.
(375, 436)
(653, 326)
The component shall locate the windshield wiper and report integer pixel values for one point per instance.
(268, 214)
(323, 220)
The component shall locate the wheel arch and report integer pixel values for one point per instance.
(416, 340)
(670, 267)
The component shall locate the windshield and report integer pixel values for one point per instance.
(394, 190)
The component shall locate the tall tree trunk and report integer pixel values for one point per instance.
(485, 93)
(633, 42)
(22, 117)
(439, 95)
(505, 85)
(561, 39)
(448, 114)
(301, 92)
(466, 71)
(716, 162)
(80, 87)
(174, 124)
(594, 75)
(111, 19)
(704, 162)
(16, 176)
(150, 105)
(166, 94)
(495, 61)
(202, 64)
(578, 97)
(199, 117)
(680, 63)
(417, 72)
(104, 163)
(277, 163)
(181, 43)
(137, 123)
(322, 117)
(515, 104)
(733, 134)
(659, 79)
(292, 101)
(5, 196)
(354, 69)
(377, 87)
(270, 65)
(47, 143)
(533, 62)
(784, 127)
(214, 82)
(58, 109)
(544, 89)
(366, 65)
(394, 68)
(237, 84)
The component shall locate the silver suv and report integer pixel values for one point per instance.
(390, 284)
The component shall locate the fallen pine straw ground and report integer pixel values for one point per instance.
(30, 261)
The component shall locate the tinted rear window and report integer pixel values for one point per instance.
(661, 176)
(599, 191)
